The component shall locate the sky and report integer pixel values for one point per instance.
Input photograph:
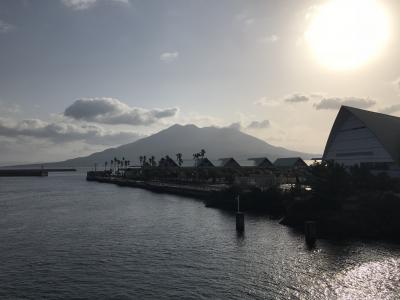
(79, 76)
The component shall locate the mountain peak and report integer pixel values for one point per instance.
(176, 126)
(188, 139)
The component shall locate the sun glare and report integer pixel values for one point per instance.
(346, 34)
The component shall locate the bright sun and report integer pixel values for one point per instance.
(346, 34)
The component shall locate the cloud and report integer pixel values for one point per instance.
(264, 101)
(245, 19)
(5, 27)
(269, 39)
(296, 98)
(391, 109)
(396, 83)
(335, 103)
(85, 4)
(63, 132)
(236, 126)
(113, 111)
(169, 57)
(259, 124)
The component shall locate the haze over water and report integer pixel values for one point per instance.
(63, 237)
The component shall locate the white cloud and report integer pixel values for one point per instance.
(264, 101)
(269, 39)
(335, 103)
(61, 132)
(5, 27)
(113, 111)
(391, 109)
(259, 124)
(396, 83)
(235, 125)
(85, 4)
(296, 98)
(169, 57)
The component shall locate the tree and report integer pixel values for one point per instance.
(153, 161)
(202, 153)
(105, 165)
(179, 159)
(196, 158)
(141, 160)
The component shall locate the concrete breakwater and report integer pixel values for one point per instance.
(221, 196)
(196, 191)
(23, 172)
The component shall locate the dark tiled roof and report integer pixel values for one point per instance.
(386, 128)
(287, 162)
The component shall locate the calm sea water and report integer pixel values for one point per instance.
(62, 237)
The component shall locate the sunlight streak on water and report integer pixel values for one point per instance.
(63, 237)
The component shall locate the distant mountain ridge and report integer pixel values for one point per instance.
(187, 139)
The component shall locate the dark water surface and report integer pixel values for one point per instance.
(63, 237)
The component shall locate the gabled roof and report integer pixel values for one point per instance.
(288, 162)
(201, 162)
(188, 163)
(228, 162)
(261, 161)
(386, 128)
(167, 162)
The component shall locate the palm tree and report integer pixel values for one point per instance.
(179, 159)
(153, 161)
(115, 163)
(105, 165)
(202, 153)
(196, 158)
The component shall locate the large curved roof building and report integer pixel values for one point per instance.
(365, 138)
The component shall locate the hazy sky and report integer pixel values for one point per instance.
(77, 76)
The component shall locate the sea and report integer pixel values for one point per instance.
(62, 237)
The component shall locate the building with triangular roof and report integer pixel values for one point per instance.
(361, 137)
(260, 162)
(228, 162)
(290, 163)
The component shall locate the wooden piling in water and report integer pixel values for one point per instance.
(240, 221)
(239, 217)
(310, 230)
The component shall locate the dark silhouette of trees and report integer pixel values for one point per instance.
(179, 159)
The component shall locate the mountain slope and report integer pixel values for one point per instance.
(188, 139)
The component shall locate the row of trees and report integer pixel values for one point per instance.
(151, 162)
(116, 164)
(145, 161)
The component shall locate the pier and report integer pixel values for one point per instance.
(196, 191)
(24, 172)
(31, 172)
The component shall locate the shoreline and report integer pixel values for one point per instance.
(289, 210)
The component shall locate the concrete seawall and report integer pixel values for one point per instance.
(26, 172)
(196, 191)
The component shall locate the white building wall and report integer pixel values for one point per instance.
(355, 144)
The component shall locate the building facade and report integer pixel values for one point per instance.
(365, 138)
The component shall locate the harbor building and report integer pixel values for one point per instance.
(365, 138)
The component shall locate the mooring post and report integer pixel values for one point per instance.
(239, 217)
(310, 228)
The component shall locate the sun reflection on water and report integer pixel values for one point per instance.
(371, 280)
